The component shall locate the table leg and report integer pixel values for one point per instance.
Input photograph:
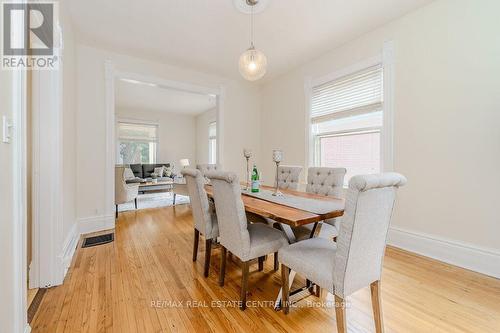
(174, 198)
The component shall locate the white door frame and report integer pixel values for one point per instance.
(111, 74)
(20, 202)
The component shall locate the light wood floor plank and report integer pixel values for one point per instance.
(111, 288)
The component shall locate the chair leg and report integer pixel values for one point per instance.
(208, 253)
(244, 285)
(135, 203)
(116, 211)
(195, 244)
(261, 264)
(276, 263)
(285, 289)
(377, 306)
(222, 272)
(340, 314)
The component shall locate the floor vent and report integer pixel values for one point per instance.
(98, 240)
(35, 304)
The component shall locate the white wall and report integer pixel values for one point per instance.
(176, 133)
(240, 125)
(202, 122)
(447, 142)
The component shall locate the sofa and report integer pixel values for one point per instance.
(144, 171)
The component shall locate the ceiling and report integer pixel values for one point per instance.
(132, 94)
(209, 35)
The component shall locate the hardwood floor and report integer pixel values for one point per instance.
(146, 281)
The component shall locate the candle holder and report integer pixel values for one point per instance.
(247, 153)
(277, 158)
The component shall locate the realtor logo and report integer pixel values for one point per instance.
(28, 35)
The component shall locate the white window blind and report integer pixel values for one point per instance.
(360, 92)
(212, 143)
(137, 132)
(212, 130)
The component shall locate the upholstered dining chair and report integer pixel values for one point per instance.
(205, 219)
(288, 177)
(204, 168)
(124, 192)
(246, 241)
(355, 260)
(328, 182)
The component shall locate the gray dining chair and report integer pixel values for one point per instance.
(246, 241)
(205, 218)
(204, 168)
(355, 260)
(328, 182)
(288, 177)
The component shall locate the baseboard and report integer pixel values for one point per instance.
(485, 261)
(96, 223)
(69, 247)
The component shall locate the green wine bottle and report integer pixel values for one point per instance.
(255, 179)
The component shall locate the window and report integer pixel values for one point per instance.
(136, 143)
(212, 143)
(347, 120)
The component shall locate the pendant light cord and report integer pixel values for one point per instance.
(251, 27)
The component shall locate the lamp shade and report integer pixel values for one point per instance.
(253, 64)
(184, 162)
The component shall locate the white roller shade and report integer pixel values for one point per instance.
(360, 92)
(212, 130)
(137, 132)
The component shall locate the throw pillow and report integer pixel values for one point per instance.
(158, 171)
(168, 171)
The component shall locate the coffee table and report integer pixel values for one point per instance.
(176, 187)
(158, 186)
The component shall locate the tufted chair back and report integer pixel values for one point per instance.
(288, 177)
(363, 231)
(231, 215)
(326, 181)
(205, 220)
(204, 168)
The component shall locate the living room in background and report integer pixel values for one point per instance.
(347, 120)
(212, 143)
(137, 142)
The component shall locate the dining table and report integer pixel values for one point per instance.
(292, 209)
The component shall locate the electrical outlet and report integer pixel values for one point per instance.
(6, 126)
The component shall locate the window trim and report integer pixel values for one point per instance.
(386, 58)
(136, 122)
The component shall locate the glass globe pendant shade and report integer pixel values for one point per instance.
(252, 64)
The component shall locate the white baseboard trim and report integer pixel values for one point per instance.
(81, 227)
(88, 225)
(485, 261)
(69, 247)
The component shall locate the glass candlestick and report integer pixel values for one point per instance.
(247, 153)
(277, 158)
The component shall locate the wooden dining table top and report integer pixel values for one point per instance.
(289, 215)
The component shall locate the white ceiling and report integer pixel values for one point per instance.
(143, 96)
(209, 35)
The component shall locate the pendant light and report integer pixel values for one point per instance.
(253, 63)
